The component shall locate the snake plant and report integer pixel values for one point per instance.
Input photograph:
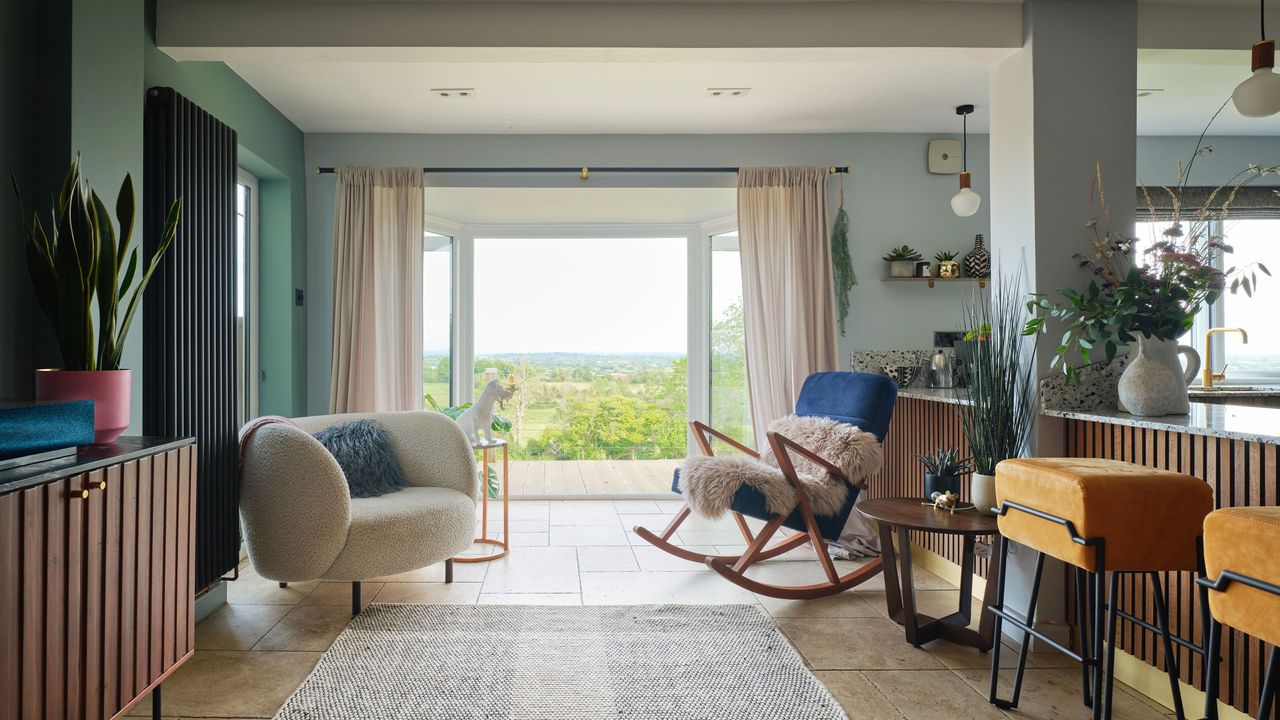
(81, 258)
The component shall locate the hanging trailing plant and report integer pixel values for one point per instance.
(841, 263)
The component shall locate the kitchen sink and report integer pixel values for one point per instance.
(1229, 388)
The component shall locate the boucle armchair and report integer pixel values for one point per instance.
(301, 523)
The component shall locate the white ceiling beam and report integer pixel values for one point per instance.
(190, 29)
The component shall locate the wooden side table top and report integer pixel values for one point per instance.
(915, 514)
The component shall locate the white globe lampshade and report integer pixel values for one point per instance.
(1259, 95)
(966, 202)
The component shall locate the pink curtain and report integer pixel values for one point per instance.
(788, 302)
(377, 290)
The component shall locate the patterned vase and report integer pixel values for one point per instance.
(977, 263)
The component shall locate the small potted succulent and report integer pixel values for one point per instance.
(947, 265)
(902, 261)
(944, 468)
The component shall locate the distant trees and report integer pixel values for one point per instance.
(730, 405)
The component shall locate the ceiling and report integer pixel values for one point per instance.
(650, 91)
(642, 91)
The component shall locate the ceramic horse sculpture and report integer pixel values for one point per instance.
(477, 420)
(842, 415)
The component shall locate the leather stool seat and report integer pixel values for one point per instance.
(1244, 540)
(1151, 519)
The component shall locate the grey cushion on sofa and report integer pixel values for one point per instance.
(363, 451)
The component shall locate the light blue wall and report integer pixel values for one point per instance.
(891, 199)
(1158, 158)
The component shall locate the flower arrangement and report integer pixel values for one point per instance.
(1155, 295)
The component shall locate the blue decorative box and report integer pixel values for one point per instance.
(36, 428)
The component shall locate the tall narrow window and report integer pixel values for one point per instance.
(730, 405)
(1252, 241)
(437, 319)
(246, 296)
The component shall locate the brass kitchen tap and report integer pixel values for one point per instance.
(1209, 375)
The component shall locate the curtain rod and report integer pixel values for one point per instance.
(583, 172)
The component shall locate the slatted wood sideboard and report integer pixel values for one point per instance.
(96, 578)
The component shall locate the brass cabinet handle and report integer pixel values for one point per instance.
(82, 495)
(100, 485)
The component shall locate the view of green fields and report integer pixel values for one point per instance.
(580, 406)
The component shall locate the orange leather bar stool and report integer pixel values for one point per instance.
(1099, 516)
(1244, 576)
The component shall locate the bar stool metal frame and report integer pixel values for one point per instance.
(1271, 681)
(1097, 677)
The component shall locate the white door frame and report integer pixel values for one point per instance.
(253, 374)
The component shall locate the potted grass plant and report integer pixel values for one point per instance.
(944, 468)
(89, 282)
(998, 404)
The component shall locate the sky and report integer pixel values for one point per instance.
(604, 295)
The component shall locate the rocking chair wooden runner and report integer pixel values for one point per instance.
(860, 399)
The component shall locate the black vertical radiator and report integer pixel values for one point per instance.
(189, 356)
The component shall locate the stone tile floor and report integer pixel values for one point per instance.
(254, 651)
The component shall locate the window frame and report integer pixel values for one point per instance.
(253, 371)
(449, 229)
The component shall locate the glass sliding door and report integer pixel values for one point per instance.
(437, 319)
(730, 405)
(592, 332)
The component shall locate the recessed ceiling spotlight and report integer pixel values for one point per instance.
(1147, 92)
(727, 92)
(453, 92)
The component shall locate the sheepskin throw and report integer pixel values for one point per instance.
(363, 451)
(709, 483)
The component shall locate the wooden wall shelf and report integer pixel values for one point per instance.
(932, 281)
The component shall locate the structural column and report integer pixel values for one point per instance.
(1061, 106)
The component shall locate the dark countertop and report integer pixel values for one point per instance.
(89, 457)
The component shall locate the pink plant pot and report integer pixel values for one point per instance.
(108, 389)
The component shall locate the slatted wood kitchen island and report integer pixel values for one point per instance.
(1236, 449)
(96, 578)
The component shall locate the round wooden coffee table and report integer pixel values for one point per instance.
(907, 514)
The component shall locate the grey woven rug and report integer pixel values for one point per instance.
(660, 662)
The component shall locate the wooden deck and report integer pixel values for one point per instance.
(591, 477)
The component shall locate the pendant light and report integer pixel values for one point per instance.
(1259, 94)
(966, 202)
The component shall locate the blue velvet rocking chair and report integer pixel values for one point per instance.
(860, 399)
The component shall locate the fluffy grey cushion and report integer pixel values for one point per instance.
(709, 483)
(363, 451)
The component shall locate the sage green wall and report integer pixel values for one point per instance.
(85, 65)
(271, 147)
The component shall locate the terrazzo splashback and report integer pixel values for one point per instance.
(875, 361)
(1095, 391)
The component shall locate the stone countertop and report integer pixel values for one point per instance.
(1234, 422)
(1254, 391)
(954, 396)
